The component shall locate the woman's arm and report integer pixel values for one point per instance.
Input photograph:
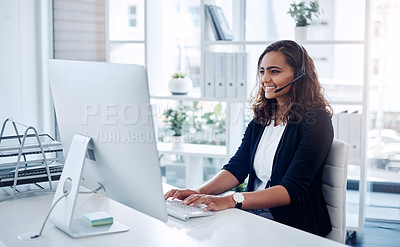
(220, 183)
(268, 198)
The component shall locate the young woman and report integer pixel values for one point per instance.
(283, 150)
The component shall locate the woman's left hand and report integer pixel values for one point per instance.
(215, 203)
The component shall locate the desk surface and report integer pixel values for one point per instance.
(231, 227)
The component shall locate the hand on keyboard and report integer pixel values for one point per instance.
(184, 212)
(179, 194)
(194, 198)
(214, 203)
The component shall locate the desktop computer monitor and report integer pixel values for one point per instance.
(110, 103)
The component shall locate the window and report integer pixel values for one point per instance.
(126, 32)
(384, 116)
(132, 16)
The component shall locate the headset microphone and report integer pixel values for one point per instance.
(290, 83)
(299, 74)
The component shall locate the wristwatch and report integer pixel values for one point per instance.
(238, 198)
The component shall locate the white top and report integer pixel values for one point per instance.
(265, 154)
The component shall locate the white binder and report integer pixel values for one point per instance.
(242, 75)
(209, 75)
(220, 85)
(230, 75)
(355, 136)
(343, 127)
(335, 125)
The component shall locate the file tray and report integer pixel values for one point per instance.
(28, 159)
(30, 174)
(10, 145)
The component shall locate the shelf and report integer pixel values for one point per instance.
(196, 150)
(334, 42)
(227, 42)
(195, 97)
(345, 102)
(126, 42)
(310, 42)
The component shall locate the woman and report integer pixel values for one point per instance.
(283, 150)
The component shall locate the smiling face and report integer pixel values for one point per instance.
(275, 73)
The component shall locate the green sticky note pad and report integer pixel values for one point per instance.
(98, 218)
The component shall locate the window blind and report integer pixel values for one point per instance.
(79, 30)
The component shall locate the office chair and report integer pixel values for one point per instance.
(334, 182)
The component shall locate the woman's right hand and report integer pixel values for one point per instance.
(180, 194)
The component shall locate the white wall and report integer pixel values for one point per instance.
(21, 62)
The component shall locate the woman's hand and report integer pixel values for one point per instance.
(180, 194)
(215, 203)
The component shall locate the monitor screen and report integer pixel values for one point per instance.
(110, 103)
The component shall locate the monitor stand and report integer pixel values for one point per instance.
(63, 213)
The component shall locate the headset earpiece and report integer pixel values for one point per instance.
(298, 74)
(302, 70)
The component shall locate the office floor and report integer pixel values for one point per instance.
(377, 234)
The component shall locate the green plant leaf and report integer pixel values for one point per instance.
(302, 14)
(218, 110)
(179, 74)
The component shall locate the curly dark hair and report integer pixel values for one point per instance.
(306, 93)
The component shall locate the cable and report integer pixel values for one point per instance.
(101, 187)
(66, 189)
(47, 217)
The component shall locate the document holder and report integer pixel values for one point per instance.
(28, 158)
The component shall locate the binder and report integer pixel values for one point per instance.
(220, 87)
(355, 121)
(230, 75)
(242, 75)
(211, 20)
(209, 75)
(335, 125)
(343, 127)
(221, 24)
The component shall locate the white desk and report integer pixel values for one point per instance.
(231, 227)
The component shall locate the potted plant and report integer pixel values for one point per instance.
(180, 84)
(208, 124)
(303, 15)
(176, 118)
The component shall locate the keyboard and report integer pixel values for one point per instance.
(185, 212)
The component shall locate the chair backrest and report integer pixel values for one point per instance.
(334, 182)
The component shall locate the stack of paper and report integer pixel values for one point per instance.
(98, 218)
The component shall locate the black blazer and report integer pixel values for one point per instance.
(298, 164)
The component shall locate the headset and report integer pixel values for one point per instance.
(299, 73)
